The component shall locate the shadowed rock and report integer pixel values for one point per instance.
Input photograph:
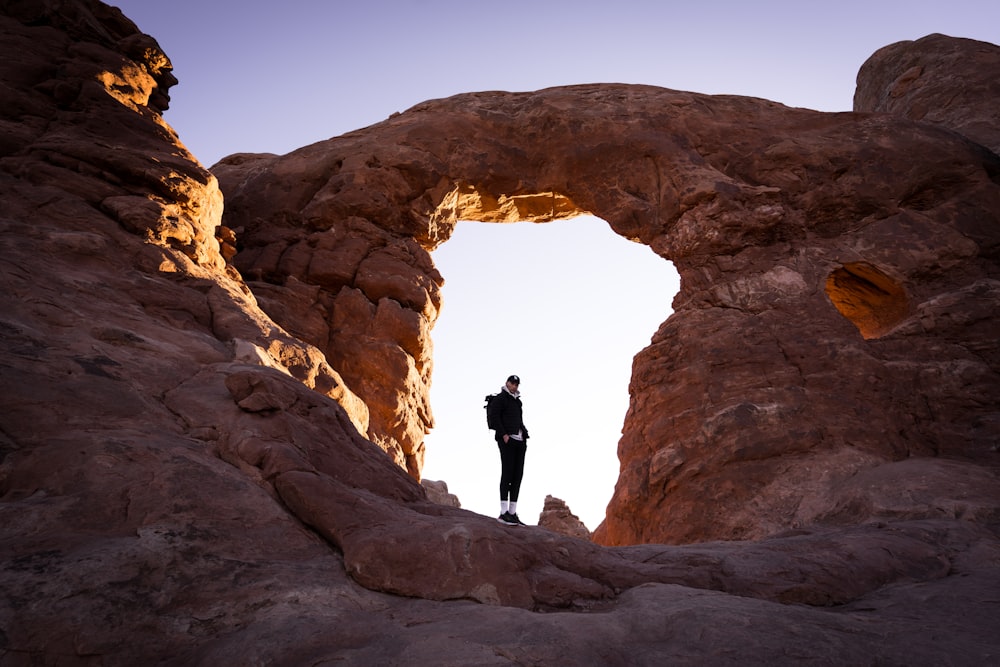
(937, 79)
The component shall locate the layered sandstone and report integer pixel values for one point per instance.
(190, 473)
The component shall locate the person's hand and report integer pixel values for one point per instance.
(505, 438)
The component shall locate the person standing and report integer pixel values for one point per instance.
(512, 440)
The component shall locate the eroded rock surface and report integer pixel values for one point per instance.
(185, 477)
(437, 491)
(938, 79)
(557, 517)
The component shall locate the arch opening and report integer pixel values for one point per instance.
(868, 298)
(565, 305)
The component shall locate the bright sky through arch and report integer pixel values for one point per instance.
(565, 305)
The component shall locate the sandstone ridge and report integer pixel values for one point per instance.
(195, 421)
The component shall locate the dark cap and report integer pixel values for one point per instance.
(514, 379)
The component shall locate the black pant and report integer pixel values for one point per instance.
(511, 467)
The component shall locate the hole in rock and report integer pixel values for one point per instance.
(871, 300)
(565, 305)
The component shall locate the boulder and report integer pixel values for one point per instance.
(557, 517)
(437, 491)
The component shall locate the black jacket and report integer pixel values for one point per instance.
(506, 409)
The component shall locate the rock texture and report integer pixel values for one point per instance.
(360, 291)
(184, 473)
(937, 79)
(437, 491)
(557, 517)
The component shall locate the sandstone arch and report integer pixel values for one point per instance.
(756, 204)
(177, 479)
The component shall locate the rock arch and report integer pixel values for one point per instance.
(150, 455)
(755, 397)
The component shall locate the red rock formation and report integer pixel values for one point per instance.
(838, 280)
(364, 295)
(184, 481)
(557, 517)
(937, 79)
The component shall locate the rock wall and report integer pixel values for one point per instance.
(184, 481)
(357, 286)
(838, 283)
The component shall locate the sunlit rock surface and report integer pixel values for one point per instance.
(190, 473)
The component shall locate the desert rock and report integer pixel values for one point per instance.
(437, 491)
(837, 298)
(938, 79)
(190, 473)
(557, 517)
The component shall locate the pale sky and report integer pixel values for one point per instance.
(272, 77)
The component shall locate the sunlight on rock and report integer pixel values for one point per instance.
(871, 300)
(468, 202)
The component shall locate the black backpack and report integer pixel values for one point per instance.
(490, 423)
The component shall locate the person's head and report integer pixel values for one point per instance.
(513, 382)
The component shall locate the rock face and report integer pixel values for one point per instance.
(366, 296)
(184, 473)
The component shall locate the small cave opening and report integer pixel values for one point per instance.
(871, 300)
(565, 304)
